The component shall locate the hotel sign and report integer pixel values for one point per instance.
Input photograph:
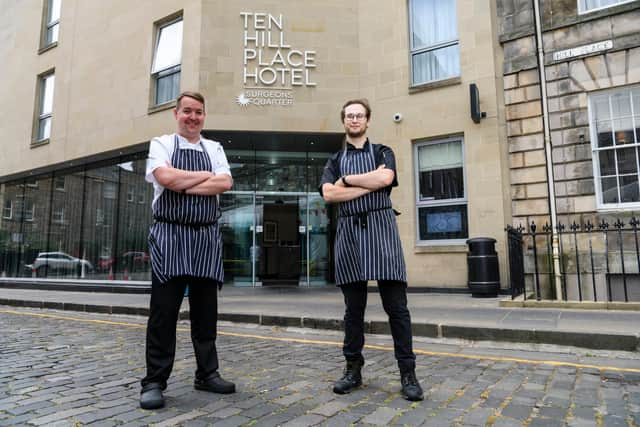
(272, 67)
(582, 50)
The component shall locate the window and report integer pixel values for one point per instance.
(99, 216)
(59, 183)
(29, 211)
(167, 56)
(7, 209)
(45, 106)
(130, 193)
(614, 121)
(434, 41)
(441, 199)
(585, 6)
(51, 25)
(109, 190)
(24, 210)
(57, 216)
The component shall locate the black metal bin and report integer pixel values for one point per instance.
(482, 263)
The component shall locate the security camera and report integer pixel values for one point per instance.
(397, 117)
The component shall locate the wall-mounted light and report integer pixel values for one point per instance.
(474, 96)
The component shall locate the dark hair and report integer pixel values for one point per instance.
(361, 101)
(193, 95)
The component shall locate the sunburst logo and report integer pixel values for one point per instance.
(242, 100)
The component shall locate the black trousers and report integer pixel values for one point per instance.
(394, 302)
(166, 299)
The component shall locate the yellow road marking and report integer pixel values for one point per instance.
(336, 343)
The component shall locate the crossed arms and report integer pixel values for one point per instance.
(203, 183)
(360, 184)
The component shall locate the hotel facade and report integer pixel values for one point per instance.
(86, 85)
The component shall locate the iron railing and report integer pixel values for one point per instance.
(598, 262)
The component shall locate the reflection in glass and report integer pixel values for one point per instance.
(607, 162)
(609, 190)
(623, 131)
(627, 162)
(443, 222)
(64, 239)
(237, 225)
(93, 223)
(319, 241)
(605, 138)
(601, 105)
(131, 259)
(629, 188)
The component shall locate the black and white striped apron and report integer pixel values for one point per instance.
(185, 237)
(367, 241)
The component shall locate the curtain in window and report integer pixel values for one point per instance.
(440, 156)
(433, 22)
(167, 88)
(436, 64)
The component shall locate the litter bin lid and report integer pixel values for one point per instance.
(481, 240)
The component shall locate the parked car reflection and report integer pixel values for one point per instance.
(55, 263)
(132, 260)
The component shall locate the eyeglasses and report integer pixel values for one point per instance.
(352, 116)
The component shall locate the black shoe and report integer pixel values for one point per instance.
(151, 396)
(410, 386)
(351, 378)
(215, 384)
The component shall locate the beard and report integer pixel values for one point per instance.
(356, 133)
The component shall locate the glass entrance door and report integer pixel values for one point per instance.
(281, 239)
(275, 239)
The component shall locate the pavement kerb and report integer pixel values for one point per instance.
(591, 340)
(577, 305)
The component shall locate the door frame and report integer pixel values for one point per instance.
(254, 242)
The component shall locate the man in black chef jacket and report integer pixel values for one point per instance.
(359, 179)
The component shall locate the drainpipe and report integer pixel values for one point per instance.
(555, 247)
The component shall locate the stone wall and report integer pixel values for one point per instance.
(569, 83)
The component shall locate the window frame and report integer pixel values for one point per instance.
(49, 24)
(58, 215)
(169, 71)
(442, 202)
(10, 208)
(42, 117)
(130, 193)
(29, 214)
(595, 150)
(56, 181)
(583, 11)
(415, 51)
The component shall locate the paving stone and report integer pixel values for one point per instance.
(519, 412)
(506, 422)
(614, 421)
(236, 420)
(477, 416)
(552, 412)
(304, 421)
(546, 422)
(381, 416)
(343, 419)
(329, 409)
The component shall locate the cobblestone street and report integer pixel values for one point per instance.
(76, 369)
